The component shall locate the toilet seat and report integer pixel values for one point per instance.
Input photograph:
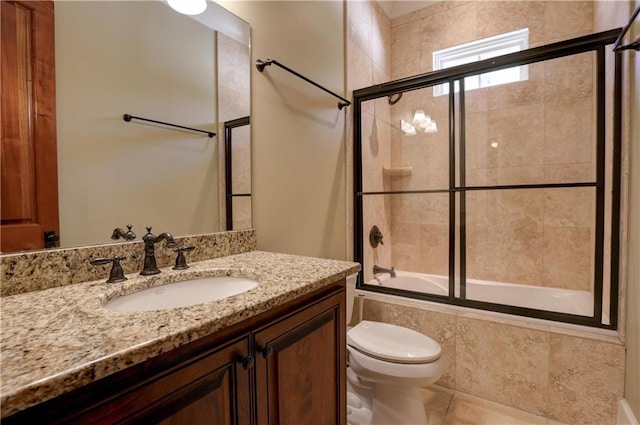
(393, 343)
(409, 374)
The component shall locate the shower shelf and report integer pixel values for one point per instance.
(397, 171)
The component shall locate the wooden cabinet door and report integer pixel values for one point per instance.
(301, 367)
(213, 388)
(28, 154)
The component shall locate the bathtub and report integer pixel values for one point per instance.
(541, 298)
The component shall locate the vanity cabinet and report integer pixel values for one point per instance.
(301, 366)
(285, 366)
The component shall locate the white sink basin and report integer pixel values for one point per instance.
(182, 294)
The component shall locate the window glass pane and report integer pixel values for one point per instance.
(532, 248)
(503, 76)
(483, 49)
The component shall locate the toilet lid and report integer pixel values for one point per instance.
(393, 343)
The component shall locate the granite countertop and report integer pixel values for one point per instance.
(59, 339)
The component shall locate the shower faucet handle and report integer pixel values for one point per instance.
(375, 237)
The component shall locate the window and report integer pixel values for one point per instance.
(486, 48)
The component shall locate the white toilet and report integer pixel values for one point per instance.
(388, 365)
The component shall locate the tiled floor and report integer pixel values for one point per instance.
(448, 407)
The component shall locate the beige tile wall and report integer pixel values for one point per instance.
(545, 131)
(570, 376)
(234, 100)
(368, 61)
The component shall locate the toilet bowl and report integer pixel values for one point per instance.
(388, 365)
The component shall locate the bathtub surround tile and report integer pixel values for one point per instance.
(570, 207)
(467, 409)
(439, 326)
(569, 235)
(360, 68)
(477, 145)
(37, 270)
(569, 173)
(434, 242)
(568, 258)
(567, 19)
(520, 93)
(552, 370)
(476, 100)
(570, 77)
(449, 28)
(360, 23)
(405, 48)
(380, 39)
(517, 132)
(569, 131)
(406, 244)
(498, 17)
(437, 402)
(506, 246)
(502, 363)
(586, 380)
(379, 216)
(530, 174)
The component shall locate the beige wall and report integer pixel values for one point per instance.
(632, 379)
(298, 140)
(234, 101)
(112, 173)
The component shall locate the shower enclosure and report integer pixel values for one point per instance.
(500, 197)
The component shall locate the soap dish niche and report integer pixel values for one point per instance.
(397, 171)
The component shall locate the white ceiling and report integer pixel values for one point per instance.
(395, 8)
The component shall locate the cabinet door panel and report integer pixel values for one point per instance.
(213, 389)
(300, 378)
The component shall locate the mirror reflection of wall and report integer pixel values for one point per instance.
(234, 64)
(144, 59)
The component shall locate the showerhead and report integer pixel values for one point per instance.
(394, 98)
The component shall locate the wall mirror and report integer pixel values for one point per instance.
(144, 59)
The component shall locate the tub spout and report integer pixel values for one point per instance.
(377, 269)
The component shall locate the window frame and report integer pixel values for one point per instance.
(481, 49)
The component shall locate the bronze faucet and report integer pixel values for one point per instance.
(150, 240)
(119, 233)
(377, 269)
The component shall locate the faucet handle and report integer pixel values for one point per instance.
(375, 237)
(116, 274)
(181, 262)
